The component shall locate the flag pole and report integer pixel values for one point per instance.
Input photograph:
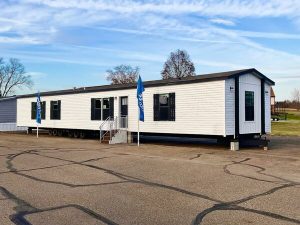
(138, 138)
(37, 130)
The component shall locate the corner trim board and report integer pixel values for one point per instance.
(237, 106)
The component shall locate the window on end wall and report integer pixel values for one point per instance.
(164, 107)
(55, 108)
(43, 110)
(249, 105)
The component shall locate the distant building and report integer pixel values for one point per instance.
(8, 114)
(272, 101)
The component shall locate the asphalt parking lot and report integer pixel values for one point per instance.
(68, 181)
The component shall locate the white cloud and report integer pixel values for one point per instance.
(240, 8)
(37, 18)
(36, 75)
(193, 23)
(19, 40)
(268, 35)
(222, 22)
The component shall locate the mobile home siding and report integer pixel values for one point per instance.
(229, 106)
(268, 108)
(8, 110)
(249, 82)
(200, 109)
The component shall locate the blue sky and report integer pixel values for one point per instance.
(72, 43)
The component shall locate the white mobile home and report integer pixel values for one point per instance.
(228, 104)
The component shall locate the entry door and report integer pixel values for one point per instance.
(124, 106)
(124, 111)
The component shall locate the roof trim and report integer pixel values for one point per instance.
(257, 74)
(157, 83)
(8, 98)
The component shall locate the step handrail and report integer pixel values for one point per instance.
(113, 124)
(101, 127)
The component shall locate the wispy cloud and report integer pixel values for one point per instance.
(36, 75)
(99, 33)
(223, 22)
(267, 35)
(18, 40)
(30, 17)
(233, 8)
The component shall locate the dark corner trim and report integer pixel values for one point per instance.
(237, 106)
(263, 116)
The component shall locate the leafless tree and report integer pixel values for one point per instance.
(178, 65)
(12, 76)
(122, 74)
(296, 97)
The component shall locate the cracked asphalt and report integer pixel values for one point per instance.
(70, 181)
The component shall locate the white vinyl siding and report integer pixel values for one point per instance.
(268, 108)
(249, 82)
(230, 106)
(11, 127)
(200, 109)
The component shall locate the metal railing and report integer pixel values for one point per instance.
(112, 124)
(105, 131)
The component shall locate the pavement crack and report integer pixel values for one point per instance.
(197, 156)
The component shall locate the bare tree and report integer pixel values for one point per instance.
(296, 97)
(122, 74)
(12, 76)
(178, 65)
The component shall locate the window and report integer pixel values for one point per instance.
(43, 110)
(124, 106)
(249, 105)
(101, 109)
(124, 101)
(164, 107)
(96, 105)
(105, 108)
(55, 110)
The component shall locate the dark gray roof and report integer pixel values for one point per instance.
(8, 98)
(154, 83)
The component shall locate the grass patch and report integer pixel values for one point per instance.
(293, 115)
(286, 128)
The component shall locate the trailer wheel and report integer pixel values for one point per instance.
(54, 132)
(82, 134)
(60, 133)
(70, 133)
(76, 134)
(50, 132)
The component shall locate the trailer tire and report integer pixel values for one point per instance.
(54, 132)
(60, 133)
(76, 134)
(70, 133)
(50, 132)
(82, 134)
